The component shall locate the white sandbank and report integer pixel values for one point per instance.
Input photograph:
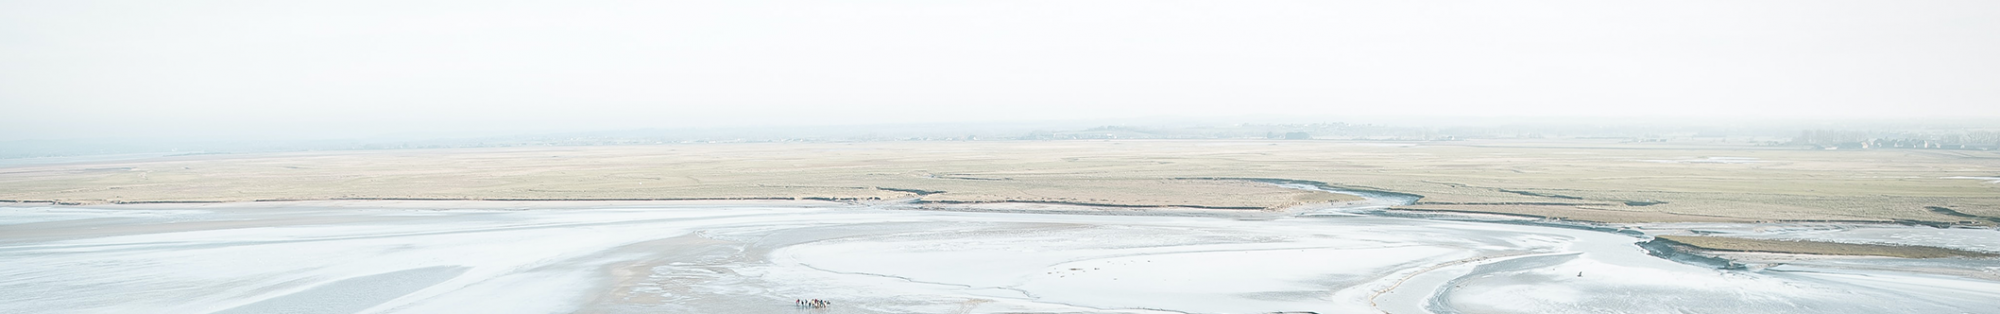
(757, 257)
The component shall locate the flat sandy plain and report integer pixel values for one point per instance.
(1583, 180)
(1007, 227)
(338, 257)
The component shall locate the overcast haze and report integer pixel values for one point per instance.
(75, 69)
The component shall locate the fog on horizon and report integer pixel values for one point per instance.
(121, 69)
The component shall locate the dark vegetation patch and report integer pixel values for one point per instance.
(1954, 213)
(1728, 244)
(1528, 193)
(911, 191)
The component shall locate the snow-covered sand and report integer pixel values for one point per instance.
(751, 257)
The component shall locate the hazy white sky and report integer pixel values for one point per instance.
(84, 68)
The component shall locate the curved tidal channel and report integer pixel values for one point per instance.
(494, 257)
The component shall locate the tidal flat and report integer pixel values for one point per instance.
(759, 257)
(1579, 180)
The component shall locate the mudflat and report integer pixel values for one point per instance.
(759, 257)
(1584, 180)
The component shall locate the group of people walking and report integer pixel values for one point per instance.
(812, 303)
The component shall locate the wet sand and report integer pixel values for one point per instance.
(758, 257)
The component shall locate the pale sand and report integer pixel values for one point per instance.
(751, 257)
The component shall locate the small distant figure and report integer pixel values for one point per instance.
(1579, 274)
(812, 303)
